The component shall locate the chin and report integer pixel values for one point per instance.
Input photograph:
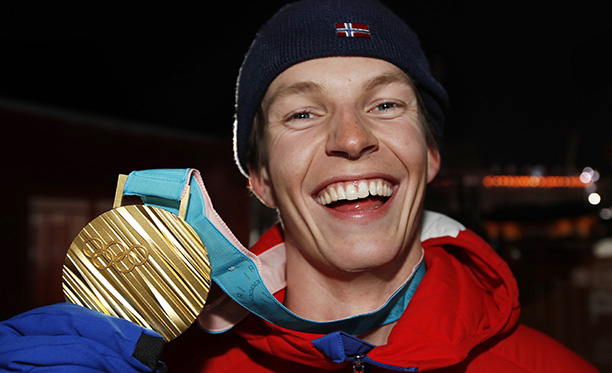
(362, 257)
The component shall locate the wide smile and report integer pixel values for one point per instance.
(355, 195)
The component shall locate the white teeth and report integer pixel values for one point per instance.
(355, 190)
(333, 195)
(372, 188)
(351, 192)
(341, 194)
(363, 191)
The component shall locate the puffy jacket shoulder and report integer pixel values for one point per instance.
(524, 349)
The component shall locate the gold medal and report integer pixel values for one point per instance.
(140, 263)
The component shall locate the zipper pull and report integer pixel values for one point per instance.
(358, 365)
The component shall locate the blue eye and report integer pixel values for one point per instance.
(386, 106)
(302, 115)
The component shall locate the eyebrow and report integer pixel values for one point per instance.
(296, 88)
(388, 78)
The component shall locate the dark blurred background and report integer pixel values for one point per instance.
(86, 94)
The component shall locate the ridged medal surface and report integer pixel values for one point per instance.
(139, 263)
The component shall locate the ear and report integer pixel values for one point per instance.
(261, 185)
(433, 163)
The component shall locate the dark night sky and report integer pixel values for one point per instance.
(523, 81)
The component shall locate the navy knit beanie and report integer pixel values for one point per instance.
(310, 29)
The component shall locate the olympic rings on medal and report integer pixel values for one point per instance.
(114, 254)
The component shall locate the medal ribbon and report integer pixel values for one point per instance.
(235, 269)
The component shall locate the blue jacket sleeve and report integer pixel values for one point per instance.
(68, 338)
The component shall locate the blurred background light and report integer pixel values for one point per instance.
(594, 198)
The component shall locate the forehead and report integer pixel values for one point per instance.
(331, 73)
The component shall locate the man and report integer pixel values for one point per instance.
(336, 122)
(336, 118)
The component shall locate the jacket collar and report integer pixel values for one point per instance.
(467, 296)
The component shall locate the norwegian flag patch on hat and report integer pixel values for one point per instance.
(353, 30)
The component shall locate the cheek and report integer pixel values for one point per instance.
(409, 147)
(290, 157)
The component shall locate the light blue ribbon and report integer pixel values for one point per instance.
(237, 274)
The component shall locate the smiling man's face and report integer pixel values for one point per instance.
(347, 163)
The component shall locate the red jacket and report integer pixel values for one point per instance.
(462, 318)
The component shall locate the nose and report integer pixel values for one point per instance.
(349, 136)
